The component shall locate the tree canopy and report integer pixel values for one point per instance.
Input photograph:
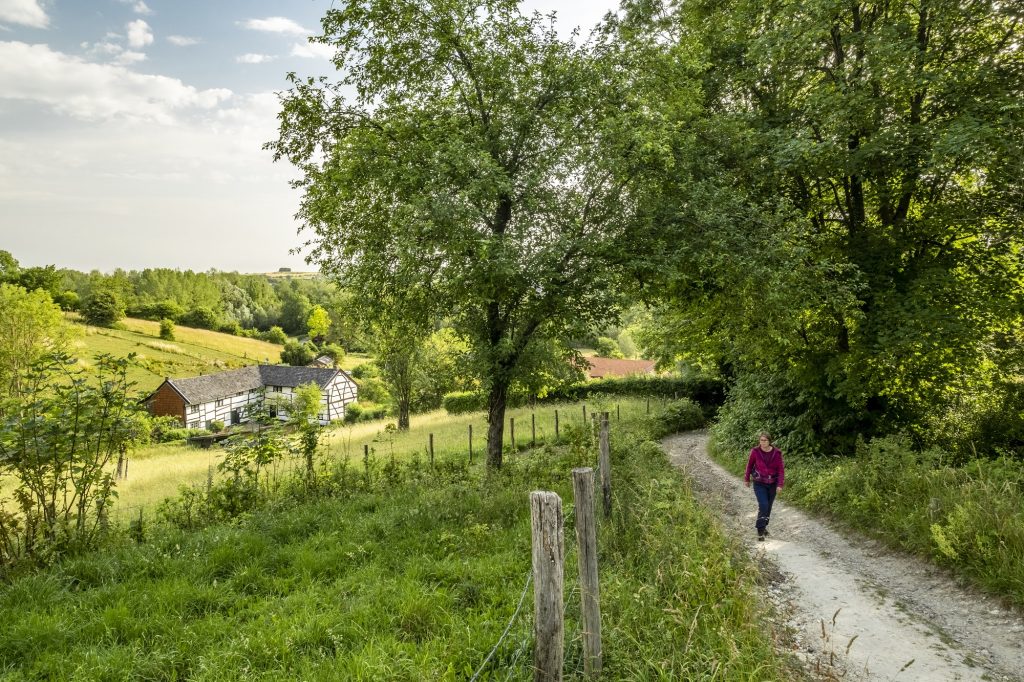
(482, 165)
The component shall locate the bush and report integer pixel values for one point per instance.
(216, 426)
(275, 335)
(364, 411)
(231, 327)
(103, 308)
(707, 392)
(373, 390)
(298, 354)
(167, 329)
(200, 317)
(463, 402)
(680, 415)
(607, 348)
(367, 370)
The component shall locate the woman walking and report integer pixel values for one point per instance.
(768, 472)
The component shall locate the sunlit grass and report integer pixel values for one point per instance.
(157, 472)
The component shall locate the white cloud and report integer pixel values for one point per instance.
(313, 51)
(139, 34)
(141, 8)
(182, 41)
(117, 53)
(274, 25)
(252, 58)
(24, 12)
(130, 57)
(91, 92)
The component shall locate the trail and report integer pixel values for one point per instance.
(855, 610)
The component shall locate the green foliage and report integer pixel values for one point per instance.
(304, 415)
(298, 353)
(335, 352)
(215, 426)
(57, 442)
(68, 301)
(318, 323)
(167, 429)
(30, 326)
(275, 335)
(364, 411)
(373, 389)
(167, 329)
(464, 402)
(607, 348)
(433, 204)
(680, 415)
(201, 317)
(841, 220)
(103, 308)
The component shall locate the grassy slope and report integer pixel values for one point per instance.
(193, 352)
(158, 471)
(408, 578)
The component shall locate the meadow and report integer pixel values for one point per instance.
(403, 571)
(158, 471)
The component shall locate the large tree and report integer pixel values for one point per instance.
(847, 208)
(31, 326)
(469, 154)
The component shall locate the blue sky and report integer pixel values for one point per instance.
(131, 130)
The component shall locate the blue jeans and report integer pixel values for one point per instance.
(765, 494)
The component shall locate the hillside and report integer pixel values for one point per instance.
(193, 352)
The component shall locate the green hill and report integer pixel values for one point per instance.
(193, 352)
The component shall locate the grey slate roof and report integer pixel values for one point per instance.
(210, 387)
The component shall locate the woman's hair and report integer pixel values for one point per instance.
(766, 435)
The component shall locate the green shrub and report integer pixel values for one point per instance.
(606, 347)
(680, 415)
(200, 317)
(364, 411)
(463, 402)
(275, 335)
(216, 426)
(298, 354)
(167, 329)
(373, 390)
(367, 370)
(230, 327)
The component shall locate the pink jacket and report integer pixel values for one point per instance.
(767, 465)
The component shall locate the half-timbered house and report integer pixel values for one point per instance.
(227, 396)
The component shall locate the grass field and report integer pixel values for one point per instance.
(413, 573)
(193, 352)
(157, 472)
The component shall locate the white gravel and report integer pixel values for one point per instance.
(853, 609)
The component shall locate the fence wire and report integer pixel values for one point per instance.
(508, 628)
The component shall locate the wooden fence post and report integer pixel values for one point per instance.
(606, 468)
(366, 460)
(470, 443)
(648, 404)
(584, 414)
(590, 596)
(548, 579)
(618, 414)
(512, 432)
(126, 467)
(533, 429)
(557, 438)
(431, 449)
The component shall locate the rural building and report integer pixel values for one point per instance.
(198, 401)
(603, 368)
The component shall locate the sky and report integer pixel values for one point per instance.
(131, 131)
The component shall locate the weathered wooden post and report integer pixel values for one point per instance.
(470, 443)
(366, 461)
(606, 468)
(590, 597)
(618, 414)
(512, 432)
(533, 429)
(120, 466)
(431, 449)
(126, 467)
(548, 579)
(557, 438)
(648, 404)
(584, 414)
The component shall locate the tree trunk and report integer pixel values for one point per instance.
(403, 414)
(496, 423)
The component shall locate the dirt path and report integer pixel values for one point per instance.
(855, 610)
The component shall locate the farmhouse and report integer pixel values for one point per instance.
(199, 401)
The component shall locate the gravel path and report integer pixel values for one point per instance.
(855, 610)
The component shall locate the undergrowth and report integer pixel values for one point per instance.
(398, 571)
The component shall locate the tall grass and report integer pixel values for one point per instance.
(411, 573)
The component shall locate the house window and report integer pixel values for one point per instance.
(192, 409)
(220, 402)
(275, 389)
(193, 424)
(322, 417)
